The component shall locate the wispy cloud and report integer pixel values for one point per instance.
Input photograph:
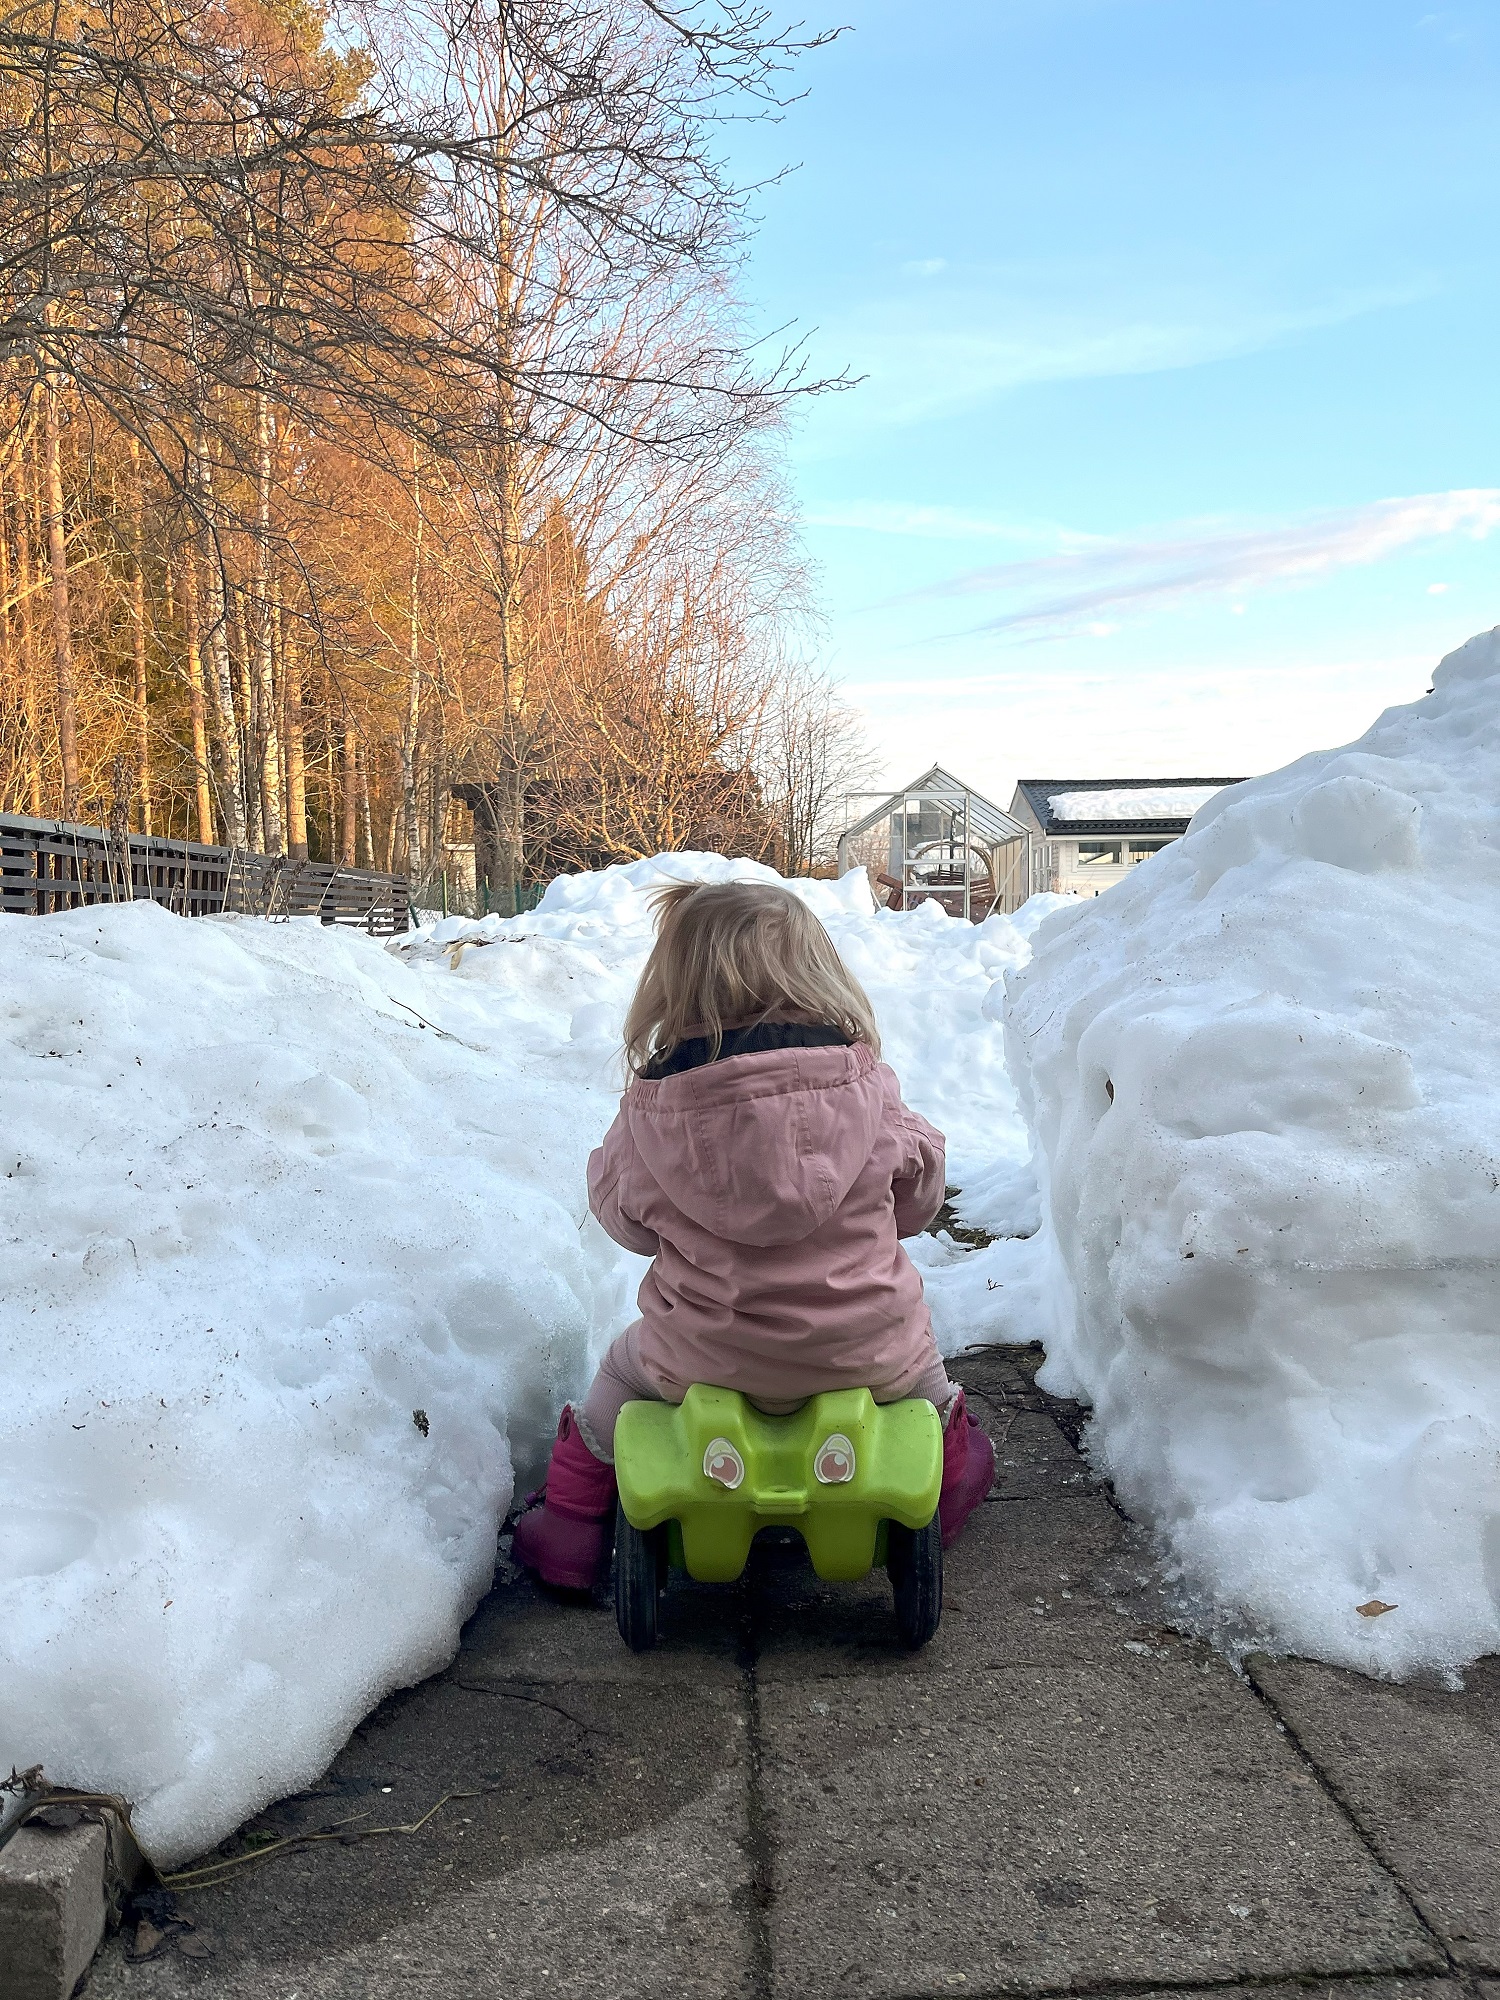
(1456, 25)
(958, 345)
(943, 524)
(1070, 592)
(1083, 681)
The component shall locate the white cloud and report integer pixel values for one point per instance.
(925, 267)
(1069, 592)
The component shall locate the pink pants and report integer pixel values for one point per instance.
(621, 1380)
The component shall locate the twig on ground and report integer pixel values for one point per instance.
(214, 1872)
(446, 1033)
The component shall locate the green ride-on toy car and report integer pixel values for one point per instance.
(858, 1480)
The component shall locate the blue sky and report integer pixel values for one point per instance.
(1178, 450)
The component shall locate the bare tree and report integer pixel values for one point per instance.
(814, 751)
(585, 232)
(256, 283)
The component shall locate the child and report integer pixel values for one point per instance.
(763, 1159)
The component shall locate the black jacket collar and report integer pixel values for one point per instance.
(694, 1054)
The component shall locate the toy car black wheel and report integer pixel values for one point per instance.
(640, 1577)
(914, 1563)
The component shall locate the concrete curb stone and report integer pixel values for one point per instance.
(52, 1908)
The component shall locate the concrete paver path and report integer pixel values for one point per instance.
(1060, 1795)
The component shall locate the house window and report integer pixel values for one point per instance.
(1098, 854)
(1142, 850)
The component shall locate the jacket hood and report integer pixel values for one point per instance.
(760, 1149)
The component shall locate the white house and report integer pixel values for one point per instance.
(1087, 833)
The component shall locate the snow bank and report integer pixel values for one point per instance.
(257, 1215)
(294, 1262)
(1264, 1073)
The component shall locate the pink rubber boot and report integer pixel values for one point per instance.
(968, 1470)
(567, 1539)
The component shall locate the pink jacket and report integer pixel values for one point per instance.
(770, 1190)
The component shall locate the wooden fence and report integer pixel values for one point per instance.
(46, 866)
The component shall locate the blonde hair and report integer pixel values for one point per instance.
(734, 955)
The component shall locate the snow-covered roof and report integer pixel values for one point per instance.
(1142, 805)
(1125, 802)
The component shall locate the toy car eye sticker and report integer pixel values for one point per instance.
(833, 1463)
(723, 1463)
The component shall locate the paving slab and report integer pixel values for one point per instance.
(1034, 1457)
(605, 1853)
(1064, 1579)
(637, 1916)
(1056, 1827)
(1419, 1768)
(1450, 1988)
(523, 1632)
(1003, 1375)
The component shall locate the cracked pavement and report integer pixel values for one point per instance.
(1061, 1795)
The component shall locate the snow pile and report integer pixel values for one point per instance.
(1129, 802)
(295, 1262)
(257, 1216)
(1265, 1076)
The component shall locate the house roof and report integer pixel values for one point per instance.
(1066, 806)
(988, 823)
